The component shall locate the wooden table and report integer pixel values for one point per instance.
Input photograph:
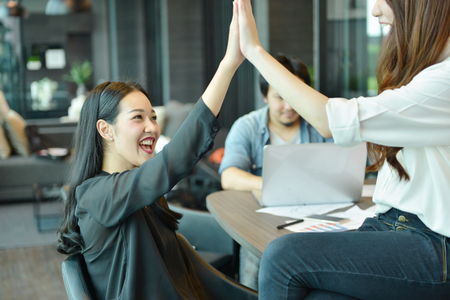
(235, 211)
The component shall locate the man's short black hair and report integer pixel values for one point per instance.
(294, 65)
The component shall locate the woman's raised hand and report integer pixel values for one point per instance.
(233, 54)
(248, 34)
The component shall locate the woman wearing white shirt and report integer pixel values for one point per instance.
(402, 253)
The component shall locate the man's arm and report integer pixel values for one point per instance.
(236, 179)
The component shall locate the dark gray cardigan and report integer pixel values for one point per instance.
(130, 253)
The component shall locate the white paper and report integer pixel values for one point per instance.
(368, 190)
(300, 211)
(311, 226)
(355, 215)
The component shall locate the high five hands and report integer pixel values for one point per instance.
(248, 34)
(233, 53)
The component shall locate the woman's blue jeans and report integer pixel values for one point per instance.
(391, 256)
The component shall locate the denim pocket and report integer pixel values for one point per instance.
(433, 243)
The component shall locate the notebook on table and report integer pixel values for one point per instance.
(321, 173)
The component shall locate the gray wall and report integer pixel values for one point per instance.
(186, 46)
(132, 55)
(291, 28)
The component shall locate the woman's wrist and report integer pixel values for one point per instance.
(229, 65)
(254, 53)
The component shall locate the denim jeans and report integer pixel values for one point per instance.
(391, 256)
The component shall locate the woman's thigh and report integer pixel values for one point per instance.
(374, 263)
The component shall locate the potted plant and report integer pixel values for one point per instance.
(80, 73)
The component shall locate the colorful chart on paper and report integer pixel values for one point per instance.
(321, 227)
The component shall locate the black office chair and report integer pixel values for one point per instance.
(76, 278)
(79, 287)
(221, 286)
(211, 242)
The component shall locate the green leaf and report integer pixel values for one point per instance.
(80, 73)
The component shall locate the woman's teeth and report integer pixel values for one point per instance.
(146, 143)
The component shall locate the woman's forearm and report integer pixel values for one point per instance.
(217, 88)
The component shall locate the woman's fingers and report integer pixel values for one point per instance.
(233, 49)
(248, 34)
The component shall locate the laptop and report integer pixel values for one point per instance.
(319, 173)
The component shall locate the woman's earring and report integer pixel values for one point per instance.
(111, 139)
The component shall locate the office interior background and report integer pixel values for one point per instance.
(173, 47)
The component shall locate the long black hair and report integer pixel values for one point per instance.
(102, 103)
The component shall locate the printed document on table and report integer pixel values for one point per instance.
(368, 190)
(355, 215)
(300, 211)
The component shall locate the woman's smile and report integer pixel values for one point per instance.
(147, 145)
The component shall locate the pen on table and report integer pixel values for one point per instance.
(289, 224)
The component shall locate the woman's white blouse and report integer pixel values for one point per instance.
(417, 118)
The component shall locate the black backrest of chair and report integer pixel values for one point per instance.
(202, 231)
(221, 286)
(76, 278)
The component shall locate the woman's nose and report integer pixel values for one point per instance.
(376, 12)
(151, 126)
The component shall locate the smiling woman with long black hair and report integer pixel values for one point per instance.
(116, 215)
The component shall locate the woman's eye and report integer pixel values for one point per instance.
(137, 117)
(154, 118)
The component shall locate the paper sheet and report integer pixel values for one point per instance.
(368, 190)
(311, 226)
(354, 214)
(300, 211)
